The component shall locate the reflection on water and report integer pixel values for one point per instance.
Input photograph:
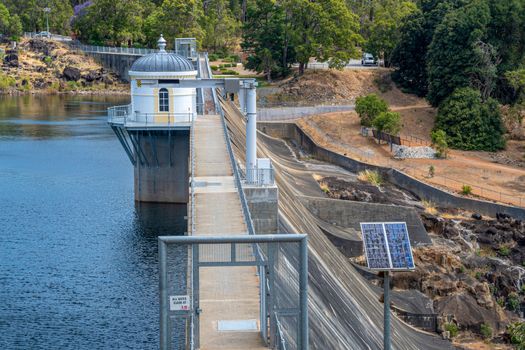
(78, 260)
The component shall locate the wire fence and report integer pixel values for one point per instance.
(45, 35)
(422, 173)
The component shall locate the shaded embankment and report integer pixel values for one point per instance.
(344, 311)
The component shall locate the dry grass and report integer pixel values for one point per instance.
(430, 207)
(371, 176)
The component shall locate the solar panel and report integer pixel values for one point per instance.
(387, 246)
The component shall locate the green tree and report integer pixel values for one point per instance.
(114, 22)
(389, 122)
(323, 29)
(368, 107)
(33, 18)
(516, 79)
(267, 39)
(385, 30)
(175, 18)
(452, 55)
(220, 26)
(439, 141)
(10, 25)
(471, 123)
(416, 33)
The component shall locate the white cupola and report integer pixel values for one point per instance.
(154, 98)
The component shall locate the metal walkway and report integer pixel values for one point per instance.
(226, 293)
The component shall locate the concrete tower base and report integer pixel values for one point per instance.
(263, 203)
(162, 169)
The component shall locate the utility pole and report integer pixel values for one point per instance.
(47, 10)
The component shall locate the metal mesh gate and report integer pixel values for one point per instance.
(281, 265)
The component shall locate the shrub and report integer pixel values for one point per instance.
(383, 82)
(429, 206)
(466, 190)
(6, 81)
(431, 171)
(71, 86)
(48, 60)
(516, 332)
(439, 141)
(486, 331)
(371, 176)
(471, 123)
(452, 328)
(504, 251)
(235, 58)
(389, 122)
(214, 67)
(229, 72)
(368, 107)
(213, 57)
(513, 301)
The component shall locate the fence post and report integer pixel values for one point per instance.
(303, 290)
(163, 287)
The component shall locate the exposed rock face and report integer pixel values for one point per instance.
(42, 46)
(468, 314)
(71, 74)
(11, 58)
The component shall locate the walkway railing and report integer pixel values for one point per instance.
(259, 177)
(122, 115)
(114, 50)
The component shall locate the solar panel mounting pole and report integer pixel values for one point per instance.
(386, 303)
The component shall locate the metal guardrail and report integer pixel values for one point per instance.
(122, 115)
(115, 50)
(259, 177)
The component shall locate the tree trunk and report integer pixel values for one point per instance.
(301, 68)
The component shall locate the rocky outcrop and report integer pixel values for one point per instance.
(11, 58)
(71, 74)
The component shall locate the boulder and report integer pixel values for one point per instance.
(71, 74)
(11, 60)
(92, 76)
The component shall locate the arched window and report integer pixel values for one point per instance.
(164, 100)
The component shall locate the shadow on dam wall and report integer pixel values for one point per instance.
(424, 191)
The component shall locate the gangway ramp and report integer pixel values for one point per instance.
(226, 293)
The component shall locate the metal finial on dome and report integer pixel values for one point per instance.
(162, 44)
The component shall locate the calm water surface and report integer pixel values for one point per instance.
(78, 259)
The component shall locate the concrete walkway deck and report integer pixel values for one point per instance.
(226, 293)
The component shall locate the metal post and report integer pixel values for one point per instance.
(386, 287)
(163, 287)
(303, 296)
(195, 293)
(242, 100)
(47, 10)
(251, 133)
(270, 273)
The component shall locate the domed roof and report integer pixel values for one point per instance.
(162, 61)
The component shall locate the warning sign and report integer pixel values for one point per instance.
(179, 302)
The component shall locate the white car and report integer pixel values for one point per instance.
(368, 60)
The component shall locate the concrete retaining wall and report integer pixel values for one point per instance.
(422, 190)
(119, 64)
(351, 214)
